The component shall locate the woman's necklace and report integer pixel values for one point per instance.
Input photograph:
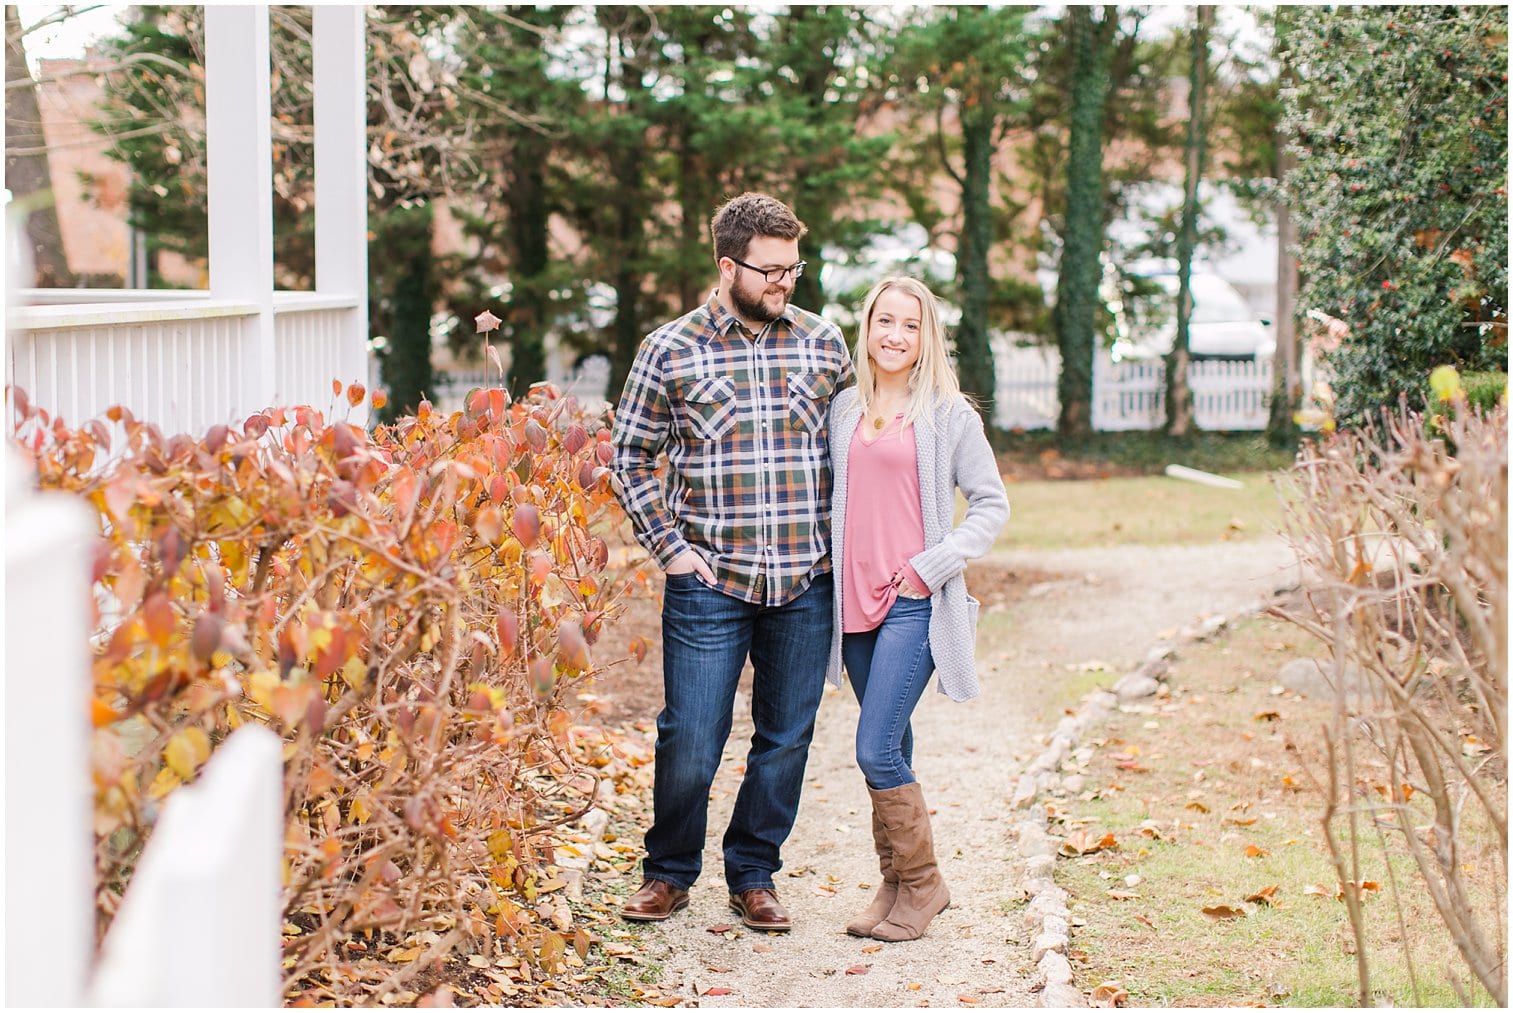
(883, 415)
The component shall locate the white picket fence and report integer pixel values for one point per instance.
(1228, 395)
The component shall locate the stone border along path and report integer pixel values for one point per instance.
(1003, 940)
(1046, 918)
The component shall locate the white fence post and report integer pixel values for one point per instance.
(49, 808)
(199, 925)
(239, 166)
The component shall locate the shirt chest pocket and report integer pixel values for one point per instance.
(707, 407)
(809, 400)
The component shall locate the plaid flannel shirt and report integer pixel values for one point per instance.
(744, 422)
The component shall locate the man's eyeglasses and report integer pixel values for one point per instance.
(775, 274)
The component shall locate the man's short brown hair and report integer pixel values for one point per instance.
(741, 219)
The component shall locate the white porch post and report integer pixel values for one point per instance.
(341, 175)
(239, 156)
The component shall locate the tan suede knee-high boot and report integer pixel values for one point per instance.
(922, 893)
(887, 892)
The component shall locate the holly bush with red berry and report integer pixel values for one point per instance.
(1398, 117)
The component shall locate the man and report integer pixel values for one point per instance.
(738, 394)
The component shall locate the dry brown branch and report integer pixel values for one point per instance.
(1402, 531)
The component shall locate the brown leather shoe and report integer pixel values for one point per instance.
(656, 901)
(759, 909)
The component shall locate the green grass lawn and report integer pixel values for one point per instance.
(1149, 510)
(1209, 795)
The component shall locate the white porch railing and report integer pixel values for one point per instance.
(1231, 395)
(181, 363)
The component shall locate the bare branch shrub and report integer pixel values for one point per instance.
(1401, 528)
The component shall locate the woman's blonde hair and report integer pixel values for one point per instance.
(933, 378)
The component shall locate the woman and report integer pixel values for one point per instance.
(903, 440)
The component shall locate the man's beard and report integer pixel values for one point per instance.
(755, 309)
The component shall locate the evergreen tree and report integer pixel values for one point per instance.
(969, 65)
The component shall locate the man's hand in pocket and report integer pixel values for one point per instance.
(691, 562)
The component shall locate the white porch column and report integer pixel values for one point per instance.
(239, 157)
(341, 172)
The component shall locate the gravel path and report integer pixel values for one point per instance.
(1103, 605)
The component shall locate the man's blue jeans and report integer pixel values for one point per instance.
(706, 637)
(889, 668)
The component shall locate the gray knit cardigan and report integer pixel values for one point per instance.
(953, 453)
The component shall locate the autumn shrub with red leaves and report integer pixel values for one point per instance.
(410, 609)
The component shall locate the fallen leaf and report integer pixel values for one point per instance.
(1145, 921)
(1108, 995)
(1266, 895)
(1236, 821)
(859, 969)
(1252, 851)
(760, 948)
(970, 1000)
(1222, 912)
(873, 948)
(1198, 807)
(1267, 716)
(716, 991)
(1318, 890)
(1122, 895)
(1080, 842)
(719, 930)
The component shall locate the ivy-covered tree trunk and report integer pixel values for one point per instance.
(1179, 394)
(403, 313)
(27, 174)
(1076, 311)
(974, 355)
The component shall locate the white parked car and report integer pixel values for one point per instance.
(1223, 325)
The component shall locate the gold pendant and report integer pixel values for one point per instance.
(877, 423)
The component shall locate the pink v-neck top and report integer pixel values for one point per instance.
(885, 526)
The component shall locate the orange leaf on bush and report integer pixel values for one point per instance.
(526, 524)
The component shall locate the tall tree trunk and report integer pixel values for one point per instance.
(695, 204)
(807, 23)
(629, 231)
(403, 243)
(1179, 394)
(974, 355)
(1287, 378)
(1287, 381)
(27, 173)
(1076, 310)
(528, 216)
